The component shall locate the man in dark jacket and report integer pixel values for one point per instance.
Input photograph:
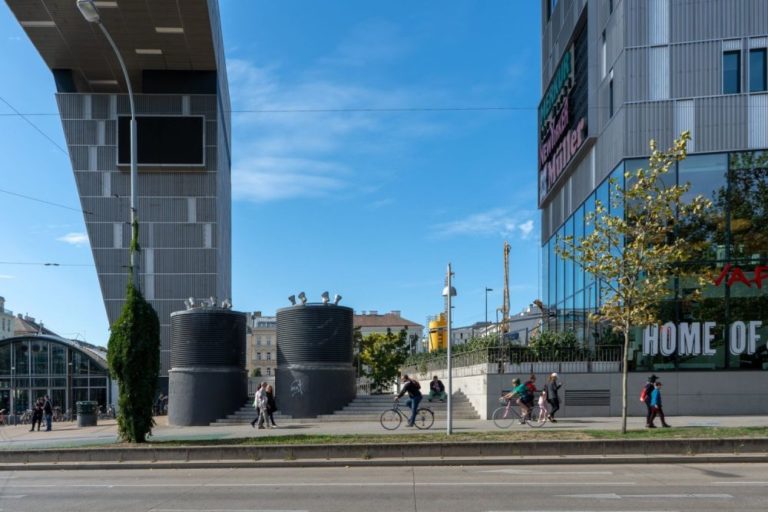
(646, 397)
(412, 387)
(48, 411)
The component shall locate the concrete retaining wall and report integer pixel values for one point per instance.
(705, 393)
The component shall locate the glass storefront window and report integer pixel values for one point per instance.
(79, 364)
(39, 358)
(58, 360)
(568, 263)
(578, 234)
(553, 277)
(21, 359)
(706, 175)
(5, 359)
(748, 206)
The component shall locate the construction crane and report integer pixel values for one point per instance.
(505, 307)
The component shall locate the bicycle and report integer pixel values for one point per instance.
(508, 414)
(392, 418)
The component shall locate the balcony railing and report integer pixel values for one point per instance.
(510, 355)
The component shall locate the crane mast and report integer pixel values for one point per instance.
(505, 307)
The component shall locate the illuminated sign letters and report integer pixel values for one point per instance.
(695, 338)
(561, 134)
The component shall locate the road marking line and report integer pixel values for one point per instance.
(224, 510)
(740, 483)
(327, 484)
(613, 496)
(12, 496)
(542, 472)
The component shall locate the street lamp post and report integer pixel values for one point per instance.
(486, 305)
(91, 14)
(13, 393)
(449, 291)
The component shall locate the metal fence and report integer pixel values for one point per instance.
(590, 360)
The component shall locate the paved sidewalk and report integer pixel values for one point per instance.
(68, 435)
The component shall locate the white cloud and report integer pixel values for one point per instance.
(269, 179)
(526, 228)
(284, 154)
(74, 239)
(496, 222)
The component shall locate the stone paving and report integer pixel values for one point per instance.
(67, 434)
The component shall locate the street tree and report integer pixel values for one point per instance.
(636, 255)
(133, 355)
(382, 356)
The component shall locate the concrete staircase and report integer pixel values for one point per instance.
(362, 408)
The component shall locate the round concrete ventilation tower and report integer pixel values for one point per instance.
(314, 359)
(207, 380)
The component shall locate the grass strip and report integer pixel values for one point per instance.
(469, 437)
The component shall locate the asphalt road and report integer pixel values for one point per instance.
(685, 487)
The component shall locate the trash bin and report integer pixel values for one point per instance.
(86, 413)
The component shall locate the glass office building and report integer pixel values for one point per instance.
(617, 74)
(65, 370)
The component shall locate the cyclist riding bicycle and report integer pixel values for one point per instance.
(524, 397)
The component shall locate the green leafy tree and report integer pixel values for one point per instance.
(256, 372)
(552, 345)
(383, 355)
(636, 257)
(133, 354)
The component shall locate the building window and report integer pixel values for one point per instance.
(269, 356)
(269, 371)
(732, 72)
(603, 57)
(757, 75)
(258, 341)
(610, 97)
(258, 356)
(269, 341)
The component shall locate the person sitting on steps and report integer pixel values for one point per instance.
(436, 390)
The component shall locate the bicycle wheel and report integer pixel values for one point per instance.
(425, 418)
(536, 417)
(390, 419)
(505, 417)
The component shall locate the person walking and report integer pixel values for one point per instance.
(37, 414)
(645, 397)
(413, 388)
(256, 404)
(48, 411)
(271, 405)
(436, 390)
(553, 396)
(262, 400)
(656, 408)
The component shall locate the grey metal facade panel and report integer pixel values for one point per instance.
(717, 19)
(194, 285)
(637, 74)
(174, 236)
(696, 69)
(646, 121)
(172, 184)
(758, 121)
(184, 261)
(109, 260)
(610, 147)
(721, 123)
(80, 132)
(636, 17)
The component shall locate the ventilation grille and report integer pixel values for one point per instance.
(588, 397)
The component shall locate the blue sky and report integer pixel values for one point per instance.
(370, 205)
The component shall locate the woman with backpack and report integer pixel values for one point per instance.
(645, 397)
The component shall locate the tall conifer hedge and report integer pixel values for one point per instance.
(133, 355)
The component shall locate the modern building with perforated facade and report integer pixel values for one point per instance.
(617, 73)
(174, 55)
